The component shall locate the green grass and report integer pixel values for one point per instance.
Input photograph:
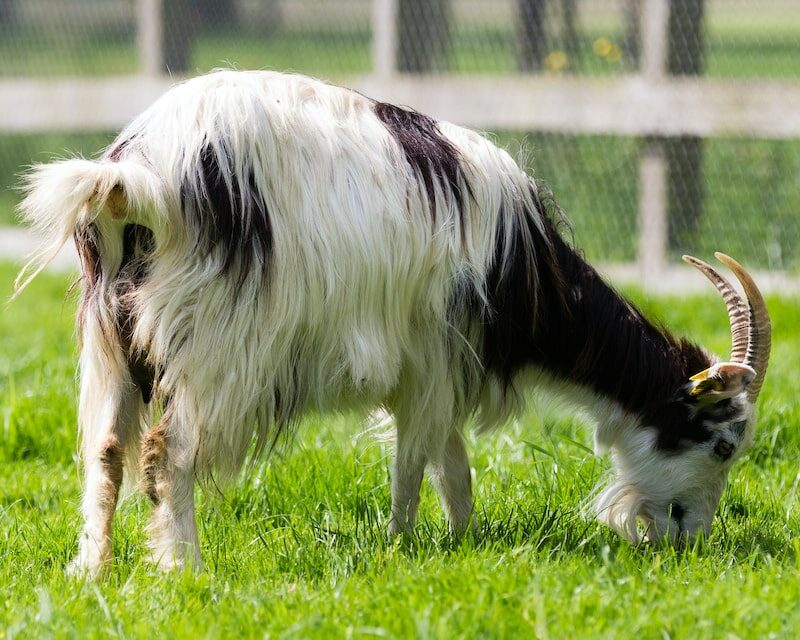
(739, 43)
(297, 548)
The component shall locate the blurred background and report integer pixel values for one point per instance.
(663, 127)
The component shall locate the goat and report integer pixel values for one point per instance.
(257, 245)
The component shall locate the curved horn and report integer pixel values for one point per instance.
(759, 342)
(738, 313)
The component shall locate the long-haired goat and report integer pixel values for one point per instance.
(256, 245)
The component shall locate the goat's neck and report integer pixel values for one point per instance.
(588, 334)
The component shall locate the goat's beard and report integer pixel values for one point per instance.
(619, 506)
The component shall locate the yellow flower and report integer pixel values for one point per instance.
(556, 60)
(603, 47)
(615, 55)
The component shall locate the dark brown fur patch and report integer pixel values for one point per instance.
(111, 460)
(153, 461)
(137, 245)
(85, 238)
(433, 158)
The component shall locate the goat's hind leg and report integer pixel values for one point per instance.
(408, 467)
(451, 476)
(420, 442)
(110, 405)
(167, 468)
(407, 472)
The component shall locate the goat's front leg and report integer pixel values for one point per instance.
(110, 403)
(168, 476)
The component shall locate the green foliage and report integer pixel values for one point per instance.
(297, 547)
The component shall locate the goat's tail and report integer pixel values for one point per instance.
(64, 195)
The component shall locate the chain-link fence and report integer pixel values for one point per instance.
(596, 88)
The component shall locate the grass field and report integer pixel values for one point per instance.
(298, 547)
(740, 42)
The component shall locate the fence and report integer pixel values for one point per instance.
(663, 127)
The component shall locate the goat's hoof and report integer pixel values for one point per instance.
(168, 562)
(463, 526)
(397, 530)
(86, 568)
(93, 560)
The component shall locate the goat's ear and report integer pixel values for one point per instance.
(723, 380)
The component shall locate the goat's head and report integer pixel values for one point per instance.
(671, 473)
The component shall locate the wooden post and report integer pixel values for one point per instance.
(569, 17)
(632, 43)
(655, 38)
(9, 14)
(384, 37)
(149, 29)
(653, 169)
(652, 212)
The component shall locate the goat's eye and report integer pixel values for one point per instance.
(723, 449)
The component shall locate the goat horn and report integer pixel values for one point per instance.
(738, 313)
(759, 343)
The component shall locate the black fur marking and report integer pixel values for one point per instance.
(677, 428)
(739, 428)
(232, 217)
(85, 238)
(138, 243)
(550, 309)
(511, 287)
(433, 158)
(676, 511)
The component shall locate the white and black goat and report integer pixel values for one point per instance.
(257, 245)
